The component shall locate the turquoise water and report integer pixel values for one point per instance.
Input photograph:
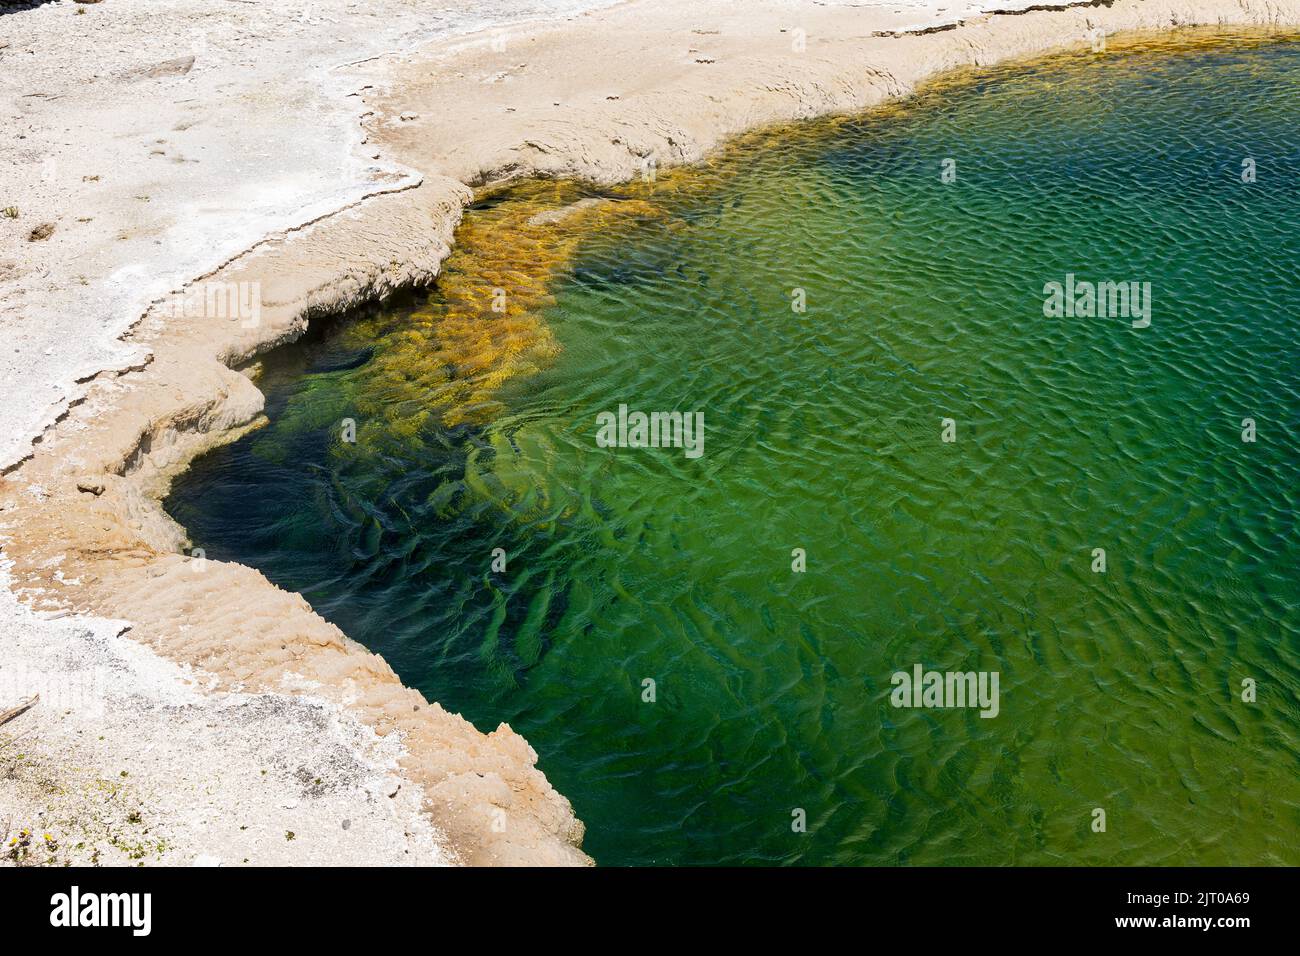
(924, 301)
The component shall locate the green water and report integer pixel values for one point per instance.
(1118, 690)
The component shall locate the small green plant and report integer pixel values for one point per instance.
(11, 212)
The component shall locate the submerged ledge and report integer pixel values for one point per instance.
(94, 539)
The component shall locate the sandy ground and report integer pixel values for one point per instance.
(126, 759)
(321, 156)
(160, 138)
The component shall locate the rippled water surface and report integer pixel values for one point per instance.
(475, 430)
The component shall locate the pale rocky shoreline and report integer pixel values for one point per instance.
(385, 161)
